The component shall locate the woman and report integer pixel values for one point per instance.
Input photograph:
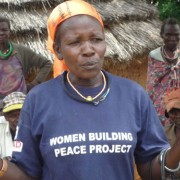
(172, 104)
(87, 123)
(11, 110)
(160, 77)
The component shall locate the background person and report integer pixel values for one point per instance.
(172, 102)
(91, 124)
(11, 110)
(161, 63)
(16, 61)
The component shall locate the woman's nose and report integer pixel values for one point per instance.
(14, 120)
(87, 48)
(1, 32)
(172, 37)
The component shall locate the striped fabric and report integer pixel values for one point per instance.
(13, 101)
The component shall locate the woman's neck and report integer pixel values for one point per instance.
(177, 131)
(98, 80)
(171, 53)
(4, 46)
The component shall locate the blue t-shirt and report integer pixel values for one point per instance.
(61, 137)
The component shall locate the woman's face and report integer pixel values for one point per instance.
(174, 116)
(4, 32)
(82, 46)
(12, 117)
(171, 36)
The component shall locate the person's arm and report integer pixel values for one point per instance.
(172, 162)
(44, 65)
(31, 59)
(32, 84)
(14, 172)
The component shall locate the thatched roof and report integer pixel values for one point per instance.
(131, 27)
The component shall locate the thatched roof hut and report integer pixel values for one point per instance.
(131, 28)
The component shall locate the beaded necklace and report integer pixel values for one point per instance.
(168, 58)
(88, 98)
(7, 53)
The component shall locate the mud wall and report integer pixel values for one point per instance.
(135, 70)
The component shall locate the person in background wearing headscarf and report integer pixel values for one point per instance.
(11, 110)
(161, 64)
(87, 124)
(16, 61)
(172, 104)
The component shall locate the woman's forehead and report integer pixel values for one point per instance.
(171, 27)
(175, 110)
(79, 22)
(4, 25)
(80, 19)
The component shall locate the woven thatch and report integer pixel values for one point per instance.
(131, 26)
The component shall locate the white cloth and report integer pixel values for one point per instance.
(6, 142)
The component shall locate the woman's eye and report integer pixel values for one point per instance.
(74, 43)
(4, 30)
(96, 40)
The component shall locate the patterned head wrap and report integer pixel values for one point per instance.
(64, 11)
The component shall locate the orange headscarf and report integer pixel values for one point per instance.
(62, 12)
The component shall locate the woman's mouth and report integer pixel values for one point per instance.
(90, 65)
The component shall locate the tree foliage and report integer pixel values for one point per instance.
(167, 8)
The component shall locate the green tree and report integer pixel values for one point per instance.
(167, 8)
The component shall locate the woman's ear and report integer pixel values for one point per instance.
(56, 48)
(162, 35)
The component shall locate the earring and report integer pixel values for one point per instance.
(57, 51)
(60, 57)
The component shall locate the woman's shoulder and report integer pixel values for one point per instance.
(156, 54)
(124, 83)
(18, 46)
(3, 120)
(47, 86)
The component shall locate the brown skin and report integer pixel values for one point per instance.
(177, 131)
(171, 38)
(174, 116)
(4, 36)
(82, 45)
(1, 113)
(12, 117)
(4, 46)
(15, 173)
(172, 161)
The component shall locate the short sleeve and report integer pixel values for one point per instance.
(151, 137)
(26, 152)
